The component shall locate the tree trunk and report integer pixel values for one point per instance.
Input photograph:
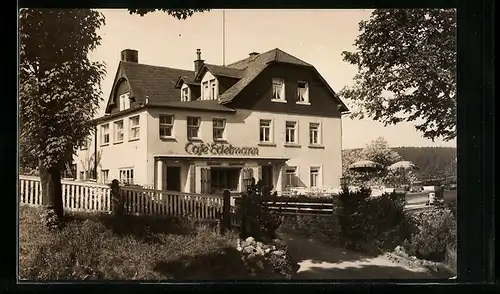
(52, 189)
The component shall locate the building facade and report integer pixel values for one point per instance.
(270, 116)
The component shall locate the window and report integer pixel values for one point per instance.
(166, 125)
(105, 134)
(82, 175)
(265, 130)
(127, 176)
(314, 177)
(302, 92)
(314, 134)
(193, 127)
(212, 89)
(86, 144)
(104, 176)
(224, 179)
(118, 131)
(134, 128)
(278, 90)
(124, 101)
(290, 131)
(185, 94)
(291, 176)
(218, 128)
(205, 91)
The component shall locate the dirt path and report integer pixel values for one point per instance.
(318, 260)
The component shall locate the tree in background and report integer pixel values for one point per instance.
(378, 151)
(59, 92)
(177, 13)
(406, 60)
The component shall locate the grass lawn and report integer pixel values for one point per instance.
(99, 247)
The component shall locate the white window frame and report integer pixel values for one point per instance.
(294, 176)
(193, 127)
(134, 128)
(205, 90)
(223, 128)
(281, 92)
(86, 144)
(104, 176)
(303, 98)
(213, 89)
(105, 132)
(317, 170)
(185, 94)
(270, 128)
(166, 125)
(124, 101)
(128, 175)
(295, 132)
(117, 131)
(319, 141)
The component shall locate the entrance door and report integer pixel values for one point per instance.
(173, 178)
(267, 175)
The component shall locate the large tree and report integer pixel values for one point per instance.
(406, 60)
(60, 89)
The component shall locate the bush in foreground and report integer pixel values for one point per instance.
(90, 250)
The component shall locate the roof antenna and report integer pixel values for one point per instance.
(223, 37)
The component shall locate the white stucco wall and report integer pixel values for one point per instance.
(242, 130)
(128, 154)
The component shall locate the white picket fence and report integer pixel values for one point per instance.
(77, 196)
(93, 197)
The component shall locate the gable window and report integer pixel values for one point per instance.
(219, 128)
(127, 176)
(166, 125)
(124, 101)
(290, 132)
(291, 176)
(302, 92)
(314, 176)
(314, 135)
(278, 90)
(185, 94)
(193, 127)
(212, 89)
(265, 130)
(118, 131)
(134, 128)
(105, 134)
(205, 91)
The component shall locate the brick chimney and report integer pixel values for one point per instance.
(130, 55)
(198, 63)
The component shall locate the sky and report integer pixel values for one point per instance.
(315, 36)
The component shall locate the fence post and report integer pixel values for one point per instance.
(226, 211)
(116, 198)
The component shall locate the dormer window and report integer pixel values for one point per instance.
(278, 90)
(124, 102)
(205, 91)
(185, 94)
(212, 90)
(302, 92)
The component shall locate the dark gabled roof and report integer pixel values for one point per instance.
(204, 105)
(154, 83)
(185, 80)
(225, 71)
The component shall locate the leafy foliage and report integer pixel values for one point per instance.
(260, 222)
(406, 60)
(177, 13)
(59, 88)
(372, 223)
(435, 234)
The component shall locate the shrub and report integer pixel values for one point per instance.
(259, 221)
(372, 223)
(436, 232)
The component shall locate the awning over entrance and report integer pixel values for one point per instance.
(208, 157)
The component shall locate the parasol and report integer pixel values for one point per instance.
(403, 165)
(366, 166)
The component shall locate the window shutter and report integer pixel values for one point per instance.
(297, 177)
(283, 178)
(192, 172)
(259, 171)
(205, 180)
